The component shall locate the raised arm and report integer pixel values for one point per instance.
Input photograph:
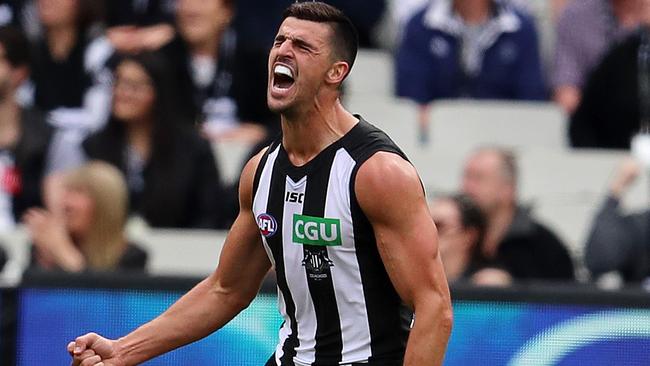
(391, 195)
(204, 309)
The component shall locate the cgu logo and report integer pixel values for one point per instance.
(316, 231)
(267, 224)
(294, 197)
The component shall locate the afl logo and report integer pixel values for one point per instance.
(267, 224)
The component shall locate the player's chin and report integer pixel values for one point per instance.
(276, 105)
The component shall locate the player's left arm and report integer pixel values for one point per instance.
(389, 192)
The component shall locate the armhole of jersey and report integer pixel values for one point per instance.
(260, 168)
(359, 163)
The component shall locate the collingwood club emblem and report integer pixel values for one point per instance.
(317, 263)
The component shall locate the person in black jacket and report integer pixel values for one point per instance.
(514, 241)
(90, 235)
(616, 97)
(224, 80)
(171, 171)
(70, 79)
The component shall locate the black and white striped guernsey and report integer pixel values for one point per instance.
(338, 304)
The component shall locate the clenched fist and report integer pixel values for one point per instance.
(94, 350)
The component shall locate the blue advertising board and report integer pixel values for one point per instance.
(505, 333)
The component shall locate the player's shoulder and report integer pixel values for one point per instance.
(253, 163)
(384, 184)
(386, 172)
(247, 178)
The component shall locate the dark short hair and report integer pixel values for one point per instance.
(15, 45)
(346, 37)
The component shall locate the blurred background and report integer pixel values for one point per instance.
(124, 125)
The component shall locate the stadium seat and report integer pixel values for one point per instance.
(464, 124)
(182, 252)
(372, 74)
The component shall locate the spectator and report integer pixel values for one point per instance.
(478, 49)
(225, 81)
(461, 228)
(616, 97)
(586, 29)
(618, 241)
(69, 75)
(514, 241)
(24, 135)
(90, 235)
(171, 172)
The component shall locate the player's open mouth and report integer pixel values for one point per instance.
(283, 77)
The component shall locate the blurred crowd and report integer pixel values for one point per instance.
(111, 109)
(598, 73)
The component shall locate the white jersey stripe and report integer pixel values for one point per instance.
(262, 196)
(285, 330)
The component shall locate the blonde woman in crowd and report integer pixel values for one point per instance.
(90, 234)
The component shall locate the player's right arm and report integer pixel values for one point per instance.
(204, 309)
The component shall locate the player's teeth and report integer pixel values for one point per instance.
(283, 70)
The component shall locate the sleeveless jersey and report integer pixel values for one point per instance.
(338, 304)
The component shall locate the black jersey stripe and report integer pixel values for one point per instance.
(275, 207)
(329, 342)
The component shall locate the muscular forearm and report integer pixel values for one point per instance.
(200, 312)
(430, 334)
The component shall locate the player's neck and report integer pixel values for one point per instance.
(305, 135)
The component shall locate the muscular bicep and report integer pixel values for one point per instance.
(391, 195)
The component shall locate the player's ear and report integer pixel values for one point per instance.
(338, 72)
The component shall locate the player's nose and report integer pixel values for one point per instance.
(286, 48)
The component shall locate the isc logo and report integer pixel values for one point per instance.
(294, 197)
(316, 231)
(267, 224)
